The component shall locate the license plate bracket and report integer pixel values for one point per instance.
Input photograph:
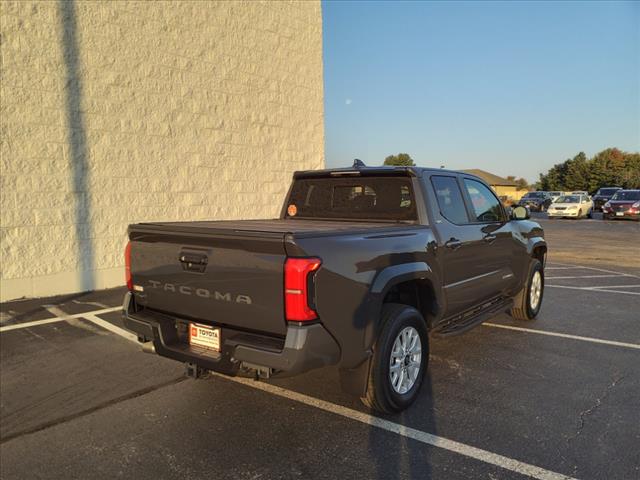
(204, 336)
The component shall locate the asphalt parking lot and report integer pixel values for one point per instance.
(551, 399)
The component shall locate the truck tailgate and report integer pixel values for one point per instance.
(219, 277)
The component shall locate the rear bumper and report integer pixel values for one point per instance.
(562, 213)
(304, 348)
(610, 214)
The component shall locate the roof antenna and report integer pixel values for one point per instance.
(357, 163)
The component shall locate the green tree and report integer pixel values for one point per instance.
(577, 173)
(608, 168)
(521, 183)
(631, 177)
(401, 160)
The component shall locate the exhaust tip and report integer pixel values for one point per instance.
(148, 347)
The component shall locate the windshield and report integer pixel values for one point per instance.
(365, 198)
(535, 195)
(607, 191)
(627, 195)
(568, 199)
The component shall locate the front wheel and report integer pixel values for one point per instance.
(527, 303)
(400, 359)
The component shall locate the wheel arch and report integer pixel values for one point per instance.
(538, 250)
(414, 284)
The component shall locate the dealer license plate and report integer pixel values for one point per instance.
(203, 336)
(619, 214)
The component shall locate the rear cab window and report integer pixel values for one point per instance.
(384, 198)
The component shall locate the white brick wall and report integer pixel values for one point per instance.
(120, 112)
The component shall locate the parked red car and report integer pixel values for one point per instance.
(624, 204)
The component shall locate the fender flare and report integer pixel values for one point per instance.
(388, 278)
(354, 378)
(535, 243)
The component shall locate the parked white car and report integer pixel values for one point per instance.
(576, 206)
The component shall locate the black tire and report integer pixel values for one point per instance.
(522, 309)
(381, 395)
(590, 214)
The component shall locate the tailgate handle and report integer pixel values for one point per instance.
(193, 262)
(194, 259)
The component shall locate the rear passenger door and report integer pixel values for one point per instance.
(462, 250)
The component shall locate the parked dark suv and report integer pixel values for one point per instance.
(603, 195)
(536, 201)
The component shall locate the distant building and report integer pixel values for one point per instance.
(506, 189)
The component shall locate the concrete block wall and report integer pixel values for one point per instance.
(120, 112)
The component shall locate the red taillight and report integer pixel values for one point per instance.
(127, 266)
(296, 288)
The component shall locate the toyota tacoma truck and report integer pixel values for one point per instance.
(362, 267)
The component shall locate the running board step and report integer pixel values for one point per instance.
(472, 318)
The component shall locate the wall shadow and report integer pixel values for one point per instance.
(77, 138)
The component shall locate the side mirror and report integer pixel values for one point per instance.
(519, 213)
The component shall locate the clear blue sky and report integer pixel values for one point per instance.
(509, 87)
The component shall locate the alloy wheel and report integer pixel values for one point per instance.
(405, 360)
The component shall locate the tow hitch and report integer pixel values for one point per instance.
(194, 371)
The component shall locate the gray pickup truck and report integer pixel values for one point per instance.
(362, 265)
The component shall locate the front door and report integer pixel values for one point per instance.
(495, 234)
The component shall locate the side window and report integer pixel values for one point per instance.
(450, 199)
(485, 204)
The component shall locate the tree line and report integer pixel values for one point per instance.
(608, 168)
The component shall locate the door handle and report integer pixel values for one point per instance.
(489, 238)
(453, 243)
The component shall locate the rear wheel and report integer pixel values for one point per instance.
(400, 359)
(526, 304)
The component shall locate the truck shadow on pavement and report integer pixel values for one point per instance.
(403, 457)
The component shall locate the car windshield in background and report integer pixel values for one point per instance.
(607, 191)
(366, 198)
(627, 195)
(569, 199)
(534, 195)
